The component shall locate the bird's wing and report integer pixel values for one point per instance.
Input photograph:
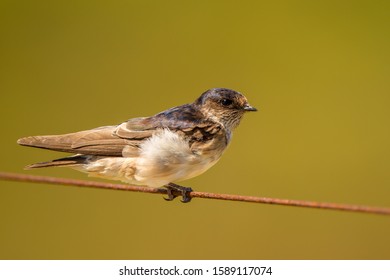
(125, 139)
(184, 120)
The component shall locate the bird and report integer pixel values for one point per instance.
(175, 145)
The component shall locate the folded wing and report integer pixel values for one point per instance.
(125, 139)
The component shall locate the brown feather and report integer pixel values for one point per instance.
(100, 141)
(67, 161)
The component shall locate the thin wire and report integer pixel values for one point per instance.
(277, 201)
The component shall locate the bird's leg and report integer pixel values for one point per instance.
(184, 192)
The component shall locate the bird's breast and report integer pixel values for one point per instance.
(167, 156)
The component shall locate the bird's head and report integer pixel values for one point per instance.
(224, 105)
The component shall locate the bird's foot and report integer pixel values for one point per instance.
(183, 190)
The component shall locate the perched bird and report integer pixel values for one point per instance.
(174, 145)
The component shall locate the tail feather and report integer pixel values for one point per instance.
(99, 141)
(51, 142)
(66, 161)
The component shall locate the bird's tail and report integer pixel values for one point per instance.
(66, 161)
(61, 143)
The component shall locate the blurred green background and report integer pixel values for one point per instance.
(317, 70)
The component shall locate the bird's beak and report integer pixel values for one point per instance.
(249, 108)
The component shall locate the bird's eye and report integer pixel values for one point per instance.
(226, 102)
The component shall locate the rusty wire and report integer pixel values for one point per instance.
(265, 200)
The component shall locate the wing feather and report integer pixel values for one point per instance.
(126, 138)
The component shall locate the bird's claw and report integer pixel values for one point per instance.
(183, 190)
(184, 193)
(171, 196)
